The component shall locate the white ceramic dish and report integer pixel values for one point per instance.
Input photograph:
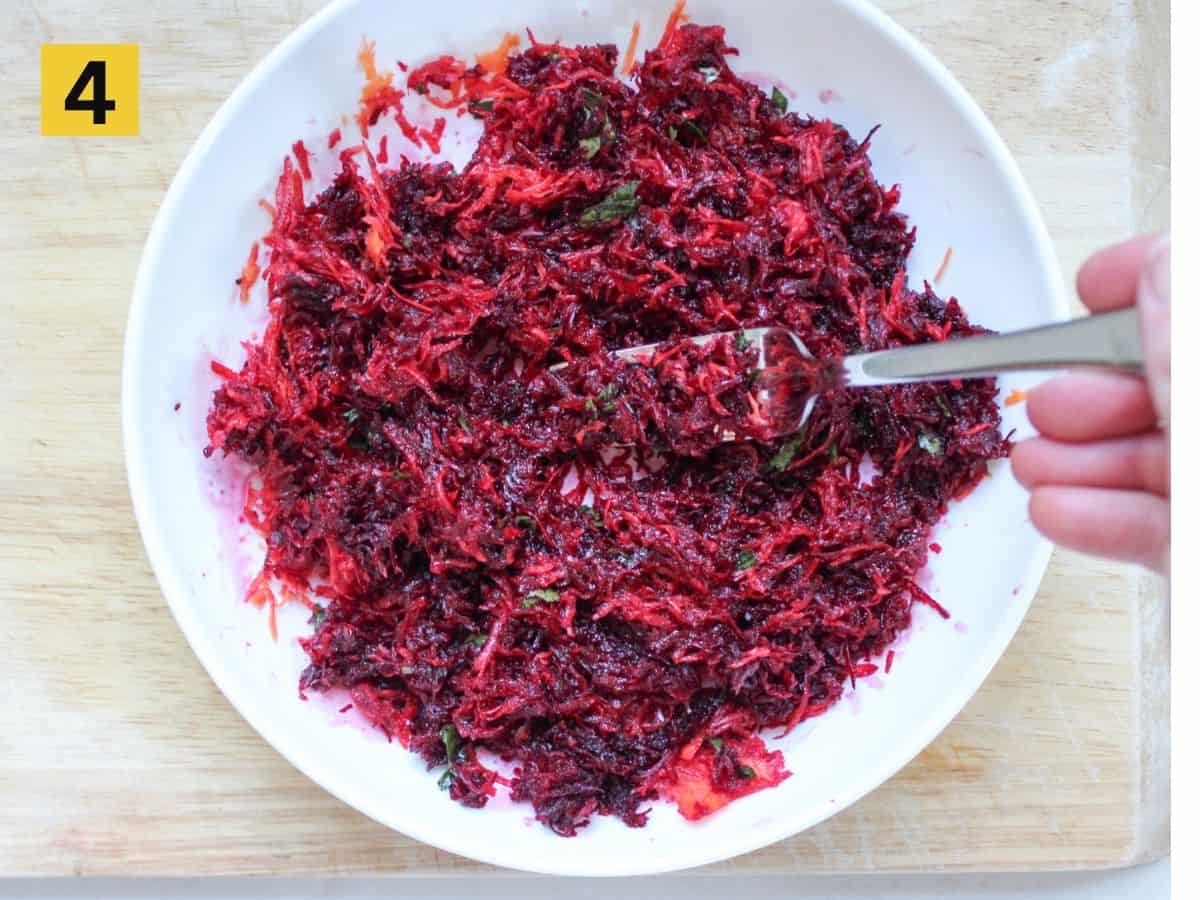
(842, 59)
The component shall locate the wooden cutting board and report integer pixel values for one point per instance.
(119, 756)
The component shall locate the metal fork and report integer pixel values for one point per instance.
(1106, 340)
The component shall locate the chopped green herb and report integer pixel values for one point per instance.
(590, 98)
(318, 616)
(710, 73)
(784, 455)
(833, 452)
(945, 407)
(351, 415)
(930, 443)
(476, 640)
(779, 100)
(618, 205)
(593, 514)
(524, 521)
(590, 406)
(752, 376)
(552, 56)
(718, 744)
(444, 781)
(541, 595)
(451, 741)
(672, 132)
(606, 398)
(591, 146)
(463, 424)
(696, 130)
(478, 106)
(397, 475)
(746, 771)
(741, 342)
(745, 559)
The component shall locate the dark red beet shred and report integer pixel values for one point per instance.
(564, 568)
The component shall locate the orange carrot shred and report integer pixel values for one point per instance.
(375, 79)
(377, 91)
(495, 60)
(260, 594)
(627, 65)
(945, 263)
(250, 272)
(377, 242)
(1015, 397)
(673, 21)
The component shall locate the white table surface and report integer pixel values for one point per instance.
(1149, 882)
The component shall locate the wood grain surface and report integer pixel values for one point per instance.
(119, 756)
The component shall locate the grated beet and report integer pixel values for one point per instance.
(563, 568)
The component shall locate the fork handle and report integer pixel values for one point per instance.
(1106, 340)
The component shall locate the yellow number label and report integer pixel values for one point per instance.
(89, 89)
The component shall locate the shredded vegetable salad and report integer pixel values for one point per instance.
(557, 581)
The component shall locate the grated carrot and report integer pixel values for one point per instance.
(673, 21)
(627, 65)
(376, 80)
(250, 271)
(377, 91)
(945, 264)
(495, 61)
(260, 594)
(377, 242)
(1014, 397)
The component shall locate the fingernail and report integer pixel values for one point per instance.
(1155, 286)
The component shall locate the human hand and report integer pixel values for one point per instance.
(1099, 474)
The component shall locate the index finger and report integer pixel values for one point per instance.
(1108, 279)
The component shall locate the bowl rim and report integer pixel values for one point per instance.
(688, 854)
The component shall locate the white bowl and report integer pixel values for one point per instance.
(842, 59)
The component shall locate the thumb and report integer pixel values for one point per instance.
(1154, 303)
